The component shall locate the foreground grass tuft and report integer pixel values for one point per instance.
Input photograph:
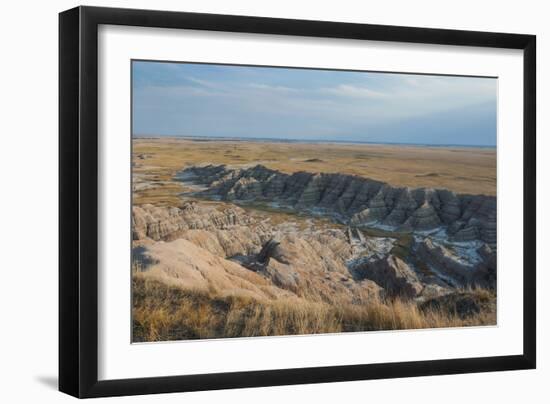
(164, 312)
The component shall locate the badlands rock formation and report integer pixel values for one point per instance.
(392, 274)
(354, 200)
(172, 244)
(221, 247)
(183, 263)
(476, 265)
(160, 223)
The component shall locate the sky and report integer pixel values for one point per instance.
(186, 99)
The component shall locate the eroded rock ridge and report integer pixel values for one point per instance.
(353, 200)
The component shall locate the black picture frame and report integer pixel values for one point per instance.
(78, 201)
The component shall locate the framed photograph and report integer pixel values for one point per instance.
(251, 201)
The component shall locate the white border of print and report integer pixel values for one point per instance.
(119, 359)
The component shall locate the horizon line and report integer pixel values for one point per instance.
(295, 140)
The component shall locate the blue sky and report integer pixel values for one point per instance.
(241, 101)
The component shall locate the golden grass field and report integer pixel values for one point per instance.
(463, 170)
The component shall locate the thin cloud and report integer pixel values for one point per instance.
(346, 90)
(204, 83)
(270, 88)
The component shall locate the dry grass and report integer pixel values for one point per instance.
(162, 312)
(463, 170)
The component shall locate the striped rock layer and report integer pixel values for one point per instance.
(355, 200)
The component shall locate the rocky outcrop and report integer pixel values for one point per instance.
(223, 231)
(159, 223)
(314, 266)
(460, 266)
(354, 200)
(393, 274)
(182, 263)
(239, 240)
(267, 251)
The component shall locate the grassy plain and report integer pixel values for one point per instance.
(463, 170)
